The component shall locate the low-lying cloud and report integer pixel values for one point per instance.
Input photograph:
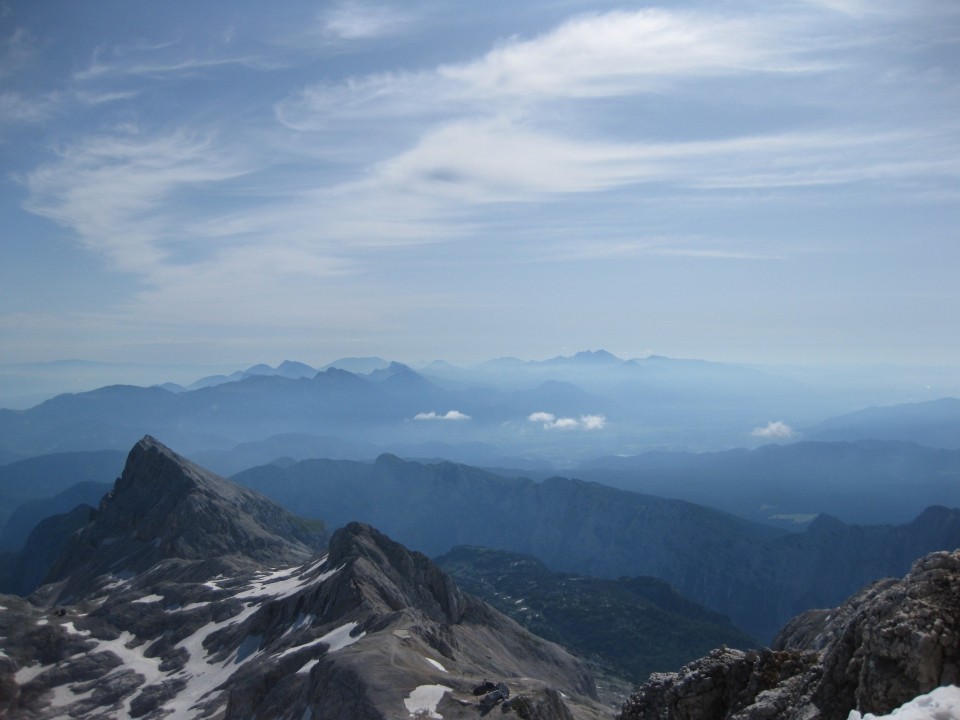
(552, 422)
(451, 415)
(774, 430)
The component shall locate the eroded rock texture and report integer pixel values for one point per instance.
(892, 641)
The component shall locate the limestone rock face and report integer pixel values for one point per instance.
(164, 506)
(190, 597)
(889, 643)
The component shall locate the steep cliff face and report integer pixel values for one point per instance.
(183, 604)
(163, 507)
(889, 643)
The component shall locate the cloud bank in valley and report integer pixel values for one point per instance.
(451, 415)
(774, 430)
(552, 422)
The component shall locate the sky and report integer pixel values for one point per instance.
(241, 182)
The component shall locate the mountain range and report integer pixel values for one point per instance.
(862, 481)
(756, 574)
(184, 595)
(561, 411)
(712, 557)
(187, 596)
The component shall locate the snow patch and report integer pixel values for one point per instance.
(307, 667)
(424, 699)
(437, 665)
(63, 696)
(340, 638)
(26, 674)
(941, 704)
(191, 606)
(149, 599)
(68, 626)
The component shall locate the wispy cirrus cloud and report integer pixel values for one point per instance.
(624, 52)
(17, 108)
(113, 191)
(353, 20)
(497, 161)
(484, 135)
(103, 70)
(282, 198)
(17, 50)
(601, 55)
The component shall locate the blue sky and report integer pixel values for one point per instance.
(241, 182)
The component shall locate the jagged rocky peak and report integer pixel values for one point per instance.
(405, 578)
(164, 506)
(892, 642)
(158, 628)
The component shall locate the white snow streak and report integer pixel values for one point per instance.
(437, 665)
(307, 667)
(149, 599)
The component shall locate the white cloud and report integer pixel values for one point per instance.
(246, 225)
(774, 430)
(622, 52)
(17, 50)
(112, 190)
(454, 415)
(552, 422)
(593, 422)
(15, 108)
(362, 21)
(603, 55)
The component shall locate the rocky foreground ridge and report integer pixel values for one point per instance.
(889, 643)
(189, 597)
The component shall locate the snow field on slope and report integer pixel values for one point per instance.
(425, 698)
(337, 639)
(941, 704)
(204, 677)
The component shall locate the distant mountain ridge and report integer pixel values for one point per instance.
(755, 574)
(935, 423)
(864, 481)
(653, 394)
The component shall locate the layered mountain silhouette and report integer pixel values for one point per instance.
(864, 481)
(935, 423)
(757, 575)
(377, 400)
(186, 596)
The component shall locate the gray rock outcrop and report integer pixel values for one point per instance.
(184, 604)
(164, 506)
(889, 643)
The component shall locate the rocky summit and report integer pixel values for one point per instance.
(189, 597)
(893, 641)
